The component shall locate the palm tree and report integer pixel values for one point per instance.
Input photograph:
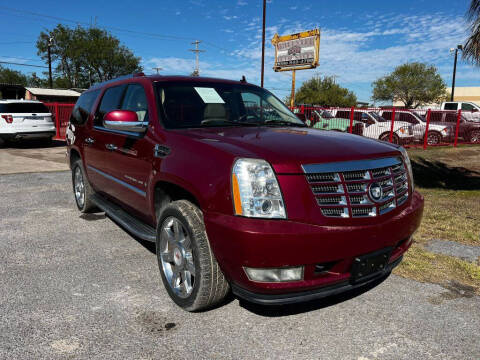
(471, 50)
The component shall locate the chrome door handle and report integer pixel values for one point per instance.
(89, 141)
(111, 147)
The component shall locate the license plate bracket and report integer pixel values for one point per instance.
(370, 265)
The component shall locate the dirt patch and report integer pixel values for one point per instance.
(155, 323)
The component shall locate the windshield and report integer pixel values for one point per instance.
(377, 117)
(193, 105)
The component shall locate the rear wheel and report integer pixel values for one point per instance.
(189, 270)
(434, 138)
(82, 189)
(475, 136)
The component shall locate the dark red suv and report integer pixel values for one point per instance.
(237, 193)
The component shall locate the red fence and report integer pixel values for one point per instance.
(411, 128)
(61, 114)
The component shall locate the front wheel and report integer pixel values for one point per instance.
(386, 137)
(475, 136)
(434, 138)
(189, 270)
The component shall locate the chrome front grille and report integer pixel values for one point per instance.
(347, 189)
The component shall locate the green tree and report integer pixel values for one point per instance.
(9, 76)
(323, 91)
(414, 84)
(83, 56)
(471, 49)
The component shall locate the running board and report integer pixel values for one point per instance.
(125, 220)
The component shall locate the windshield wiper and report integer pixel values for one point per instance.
(283, 123)
(215, 122)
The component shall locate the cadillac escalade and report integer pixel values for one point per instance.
(237, 193)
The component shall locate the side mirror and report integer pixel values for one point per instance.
(124, 120)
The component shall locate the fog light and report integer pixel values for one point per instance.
(275, 275)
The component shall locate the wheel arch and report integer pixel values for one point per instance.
(165, 192)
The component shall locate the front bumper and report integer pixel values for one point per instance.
(309, 295)
(239, 242)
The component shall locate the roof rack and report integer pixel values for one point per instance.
(123, 77)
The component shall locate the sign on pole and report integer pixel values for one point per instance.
(297, 51)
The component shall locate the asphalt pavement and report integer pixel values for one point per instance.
(77, 286)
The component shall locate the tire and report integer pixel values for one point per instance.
(189, 270)
(474, 136)
(82, 192)
(434, 138)
(386, 137)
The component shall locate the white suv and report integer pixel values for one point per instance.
(25, 119)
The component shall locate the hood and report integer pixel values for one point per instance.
(286, 149)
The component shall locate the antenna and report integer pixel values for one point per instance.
(157, 69)
(196, 72)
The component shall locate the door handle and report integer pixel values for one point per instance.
(89, 140)
(111, 147)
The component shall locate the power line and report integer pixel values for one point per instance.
(16, 42)
(20, 64)
(19, 58)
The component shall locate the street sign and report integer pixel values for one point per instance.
(297, 51)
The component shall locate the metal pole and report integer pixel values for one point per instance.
(50, 80)
(263, 43)
(292, 95)
(454, 73)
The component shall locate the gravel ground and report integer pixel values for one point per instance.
(75, 286)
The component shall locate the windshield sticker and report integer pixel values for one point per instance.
(209, 95)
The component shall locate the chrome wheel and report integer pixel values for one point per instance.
(475, 137)
(176, 257)
(433, 139)
(79, 187)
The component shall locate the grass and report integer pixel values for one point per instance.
(449, 179)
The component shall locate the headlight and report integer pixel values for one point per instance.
(255, 190)
(406, 159)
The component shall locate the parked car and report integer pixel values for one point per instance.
(468, 130)
(25, 119)
(325, 120)
(470, 110)
(267, 207)
(376, 127)
(437, 132)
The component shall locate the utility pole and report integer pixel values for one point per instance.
(459, 47)
(50, 80)
(292, 95)
(263, 43)
(196, 72)
(158, 69)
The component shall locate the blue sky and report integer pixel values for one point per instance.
(360, 40)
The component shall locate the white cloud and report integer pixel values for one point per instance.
(241, 3)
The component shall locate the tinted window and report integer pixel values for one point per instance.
(451, 106)
(35, 108)
(407, 117)
(343, 114)
(110, 101)
(83, 107)
(387, 115)
(467, 107)
(136, 100)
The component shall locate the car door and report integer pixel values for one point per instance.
(98, 162)
(130, 155)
